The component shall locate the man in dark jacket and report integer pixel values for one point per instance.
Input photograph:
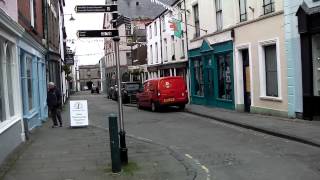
(54, 104)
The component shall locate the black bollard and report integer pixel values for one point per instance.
(114, 144)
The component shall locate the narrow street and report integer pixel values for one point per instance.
(214, 149)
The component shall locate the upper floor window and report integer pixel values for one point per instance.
(155, 28)
(243, 10)
(268, 6)
(32, 13)
(156, 52)
(150, 32)
(218, 14)
(196, 20)
(163, 22)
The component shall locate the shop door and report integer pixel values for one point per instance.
(209, 81)
(246, 80)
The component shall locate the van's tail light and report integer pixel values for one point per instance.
(183, 94)
(159, 94)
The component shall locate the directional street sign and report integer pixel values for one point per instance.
(96, 8)
(98, 33)
(69, 59)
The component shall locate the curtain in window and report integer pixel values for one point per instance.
(29, 81)
(271, 71)
(9, 68)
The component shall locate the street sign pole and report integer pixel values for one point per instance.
(122, 134)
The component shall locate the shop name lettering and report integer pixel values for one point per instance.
(94, 8)
(106, 33)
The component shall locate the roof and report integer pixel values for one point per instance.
(307, 10)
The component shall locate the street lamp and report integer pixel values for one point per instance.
(71, 18)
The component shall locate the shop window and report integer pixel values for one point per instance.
(9, 78)
(224, 77)
(29, 81)
(271, 70)
(198, 77)
(316, 63)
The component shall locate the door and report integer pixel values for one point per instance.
(210, 81)
(246, 80)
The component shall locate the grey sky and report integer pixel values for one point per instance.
(93, 47)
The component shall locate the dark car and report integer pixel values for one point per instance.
(95, 89)
(128, 92)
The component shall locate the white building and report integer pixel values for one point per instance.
(167, 53)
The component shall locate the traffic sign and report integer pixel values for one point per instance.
(98, 33)
(96, 8)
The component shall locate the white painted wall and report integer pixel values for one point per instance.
(10, 7)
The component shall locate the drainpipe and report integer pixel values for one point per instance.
(187, 46)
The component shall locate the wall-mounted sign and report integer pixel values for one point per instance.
(69, 59)
(96, 8)
(79, 113)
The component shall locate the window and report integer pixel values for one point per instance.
(150, 32)
(224, 77)
(218, 15)
(196, 20)
(243, 10)
(129, 58)
(151, 55)
(155, 28)
(9, 78)
(268, 6)
(163, 21)
(182, 46)
(29, 81)
(271, 70)
(2, 103)
(156, 52)
(180, 14)
(32, 13)
(173, 57)
(198, 77)
(165, 50)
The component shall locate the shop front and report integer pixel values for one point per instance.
(211, 69)
(309, 30)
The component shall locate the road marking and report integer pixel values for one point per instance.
(144, 139)
(197, 162)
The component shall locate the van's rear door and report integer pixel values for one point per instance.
(171, 89)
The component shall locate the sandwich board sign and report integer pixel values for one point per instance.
(79, 113)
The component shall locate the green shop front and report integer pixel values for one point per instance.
(211, 69)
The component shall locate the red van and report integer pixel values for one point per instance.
(165, 91)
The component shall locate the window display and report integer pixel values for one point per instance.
(224, 77)
(198, 77)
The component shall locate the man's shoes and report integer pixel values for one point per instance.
(60, 125)
(54, 126)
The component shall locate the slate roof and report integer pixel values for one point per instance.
(144, 8)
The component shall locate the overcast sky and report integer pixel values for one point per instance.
(88, 50)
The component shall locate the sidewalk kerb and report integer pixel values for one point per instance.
(258, 129)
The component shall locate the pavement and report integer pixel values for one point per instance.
(303, 131)
(66, 153)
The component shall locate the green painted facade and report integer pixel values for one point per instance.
(212, 66)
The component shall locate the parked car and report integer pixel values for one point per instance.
(94, 89)
(129, 91)
(165, 91)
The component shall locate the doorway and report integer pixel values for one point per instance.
(246, 80)
(209, 80)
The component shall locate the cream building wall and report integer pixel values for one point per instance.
(253, 35)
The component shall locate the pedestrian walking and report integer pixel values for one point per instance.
(54, 104)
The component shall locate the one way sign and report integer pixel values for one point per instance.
(98, 33)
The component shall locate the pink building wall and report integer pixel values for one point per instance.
(10, 7)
